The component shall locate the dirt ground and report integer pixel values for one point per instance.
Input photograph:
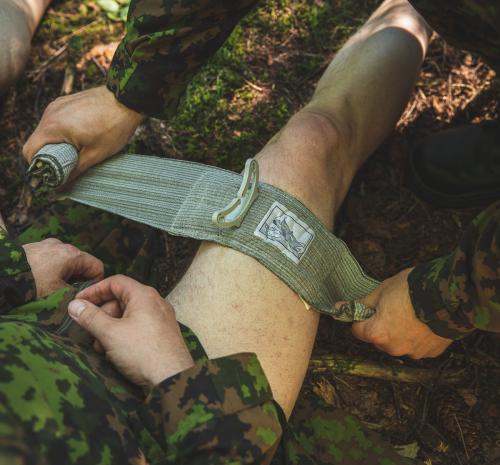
(267, 70)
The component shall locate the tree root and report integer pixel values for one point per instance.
(354, 366)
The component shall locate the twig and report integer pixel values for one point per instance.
(406, 115)
(344, 365)
(99, 66)
(254, 86)
(395, 395)
(476, 92)
(69, 80)
(65, 39)
(344, 382)
(36, 73)
(462, 437)
(372, 426)
(450, 93)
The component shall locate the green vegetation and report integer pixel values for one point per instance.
(266, 70)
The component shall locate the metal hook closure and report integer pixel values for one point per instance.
(233, 215)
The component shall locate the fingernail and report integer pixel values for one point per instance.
(76, 307)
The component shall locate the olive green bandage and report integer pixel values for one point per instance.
(185, 199)
(53, 167)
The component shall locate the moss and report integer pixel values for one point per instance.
(262, 75)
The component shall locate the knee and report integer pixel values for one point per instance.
(15, 44)
(400, 14)
(315, 133)
(304, 160)
(305, 146)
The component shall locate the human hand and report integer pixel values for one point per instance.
(395, 328)
(135, 327)
(93, 121)
(53, 264)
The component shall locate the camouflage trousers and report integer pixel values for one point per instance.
(472, 25)
(58, 376)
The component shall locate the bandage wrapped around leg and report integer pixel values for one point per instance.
(212, 204)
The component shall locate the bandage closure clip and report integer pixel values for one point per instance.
(234, 213)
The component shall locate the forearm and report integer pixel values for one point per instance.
(461, 292)
(210, 412)
(165, 46)
(216, 412)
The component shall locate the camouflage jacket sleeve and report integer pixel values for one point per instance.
(460, 292)
(217, 412)
(165, 45)
(17, 285)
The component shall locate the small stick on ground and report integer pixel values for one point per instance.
(42, 68)
(462, 438)
(344, 365)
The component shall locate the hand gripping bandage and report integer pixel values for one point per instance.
(212, 204)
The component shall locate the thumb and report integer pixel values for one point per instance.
(91, 318)
(41, 135)
(365, 330)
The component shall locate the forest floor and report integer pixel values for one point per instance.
(266, 71)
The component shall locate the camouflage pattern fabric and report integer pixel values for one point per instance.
(460, 292)
(165, 45)
(472, 25)
(124, 246)
(62, 402)
(319, 434)
(16, 280)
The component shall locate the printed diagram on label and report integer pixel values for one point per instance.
(281, 228)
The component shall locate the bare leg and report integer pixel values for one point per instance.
(18, 22)
(232, 302)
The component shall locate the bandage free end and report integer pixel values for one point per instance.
(52, 166)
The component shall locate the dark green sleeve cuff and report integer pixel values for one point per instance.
(165, 45)
(17, 284)
(434, 296)
(223, 407)
(144, 86)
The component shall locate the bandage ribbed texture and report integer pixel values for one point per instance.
(180, 198)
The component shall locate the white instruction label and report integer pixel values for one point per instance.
(281, 228)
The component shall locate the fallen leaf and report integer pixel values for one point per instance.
(410, 451)
(101, 55)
